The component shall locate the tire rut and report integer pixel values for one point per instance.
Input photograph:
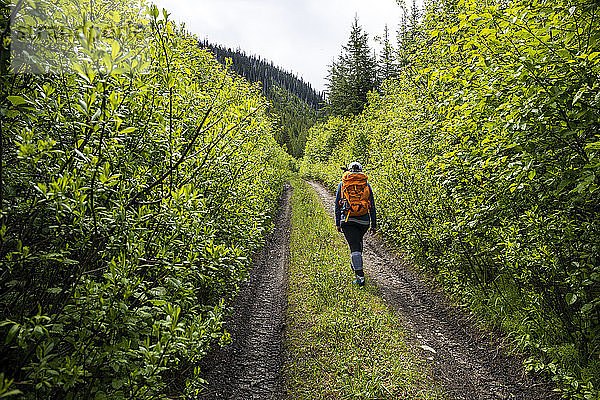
(466, 362)
(250, 367)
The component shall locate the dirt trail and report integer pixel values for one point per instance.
(466, 363)
(250, 368)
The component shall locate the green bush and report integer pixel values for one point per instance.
(134, 193)
(483, 155)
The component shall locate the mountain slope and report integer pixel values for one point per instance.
(296, 104)
(257, 69)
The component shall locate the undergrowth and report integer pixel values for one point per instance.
(343, 341)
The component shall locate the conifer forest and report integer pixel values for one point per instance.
(144, 173)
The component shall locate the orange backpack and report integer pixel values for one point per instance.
(355, 194)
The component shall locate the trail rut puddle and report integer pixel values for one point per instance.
(467, 363)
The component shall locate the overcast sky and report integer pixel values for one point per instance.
(301, 36)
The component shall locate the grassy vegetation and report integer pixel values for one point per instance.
(343, 341)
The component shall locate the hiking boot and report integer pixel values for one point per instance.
(360, 282)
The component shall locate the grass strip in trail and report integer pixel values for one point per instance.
(343, 341)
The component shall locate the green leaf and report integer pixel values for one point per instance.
(16, 100)
(117, 384)
(13, 392)
(579, 94)
(117, 71)
(80, 70)
(593, 55)
(115, 49)
(571, 298)
(12, 333)
(127, 130)
(587, 307)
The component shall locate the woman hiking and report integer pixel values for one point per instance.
(354, 213)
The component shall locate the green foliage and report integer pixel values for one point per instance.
(134, 192)
(346, 342)
(484, 157)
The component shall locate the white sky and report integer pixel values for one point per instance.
(301, 36)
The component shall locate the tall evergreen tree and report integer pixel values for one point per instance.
(410, 35)
(352, 76)
(387, 63)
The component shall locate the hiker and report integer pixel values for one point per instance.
(354, 212)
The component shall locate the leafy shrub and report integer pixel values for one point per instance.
(134, 192)
(483, 154)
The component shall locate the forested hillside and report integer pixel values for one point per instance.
(295, 117)
(294, 101)
(256, 69)
(484, 157)
(138, 177)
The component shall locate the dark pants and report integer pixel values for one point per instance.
(354, 236)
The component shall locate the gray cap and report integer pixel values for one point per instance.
(355, 167)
